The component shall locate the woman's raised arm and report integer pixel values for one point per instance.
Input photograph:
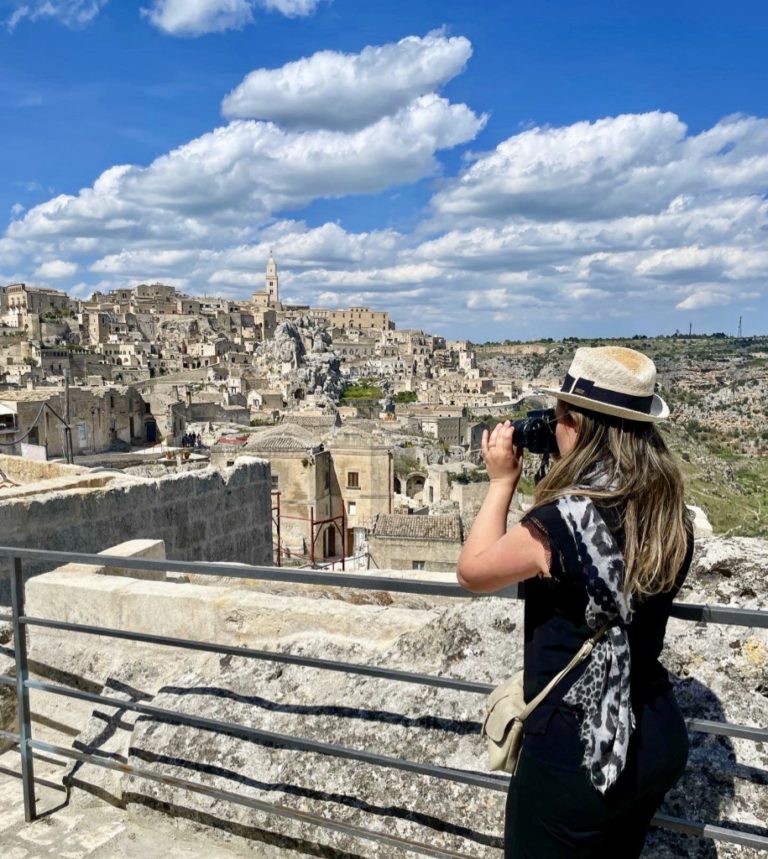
(493, 557)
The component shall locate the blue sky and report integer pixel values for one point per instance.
(481, 170)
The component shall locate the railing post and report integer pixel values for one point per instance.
(22, 692)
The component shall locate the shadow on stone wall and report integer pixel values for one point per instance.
(165, 746)
(707, 788)
(703, 794)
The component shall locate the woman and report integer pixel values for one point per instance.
(607, 542)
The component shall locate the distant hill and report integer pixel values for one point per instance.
(717, 389)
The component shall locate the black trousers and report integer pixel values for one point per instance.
(553, 812)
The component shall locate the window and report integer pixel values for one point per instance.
(352, 508)
(353, 480)
(418, 565)
(275, 481)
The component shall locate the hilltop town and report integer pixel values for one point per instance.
(363, 424)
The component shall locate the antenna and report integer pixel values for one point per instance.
(690, 328)
(739, 326)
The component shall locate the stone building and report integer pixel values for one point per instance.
(96, 325)
(355, 318)
(302, 472)
(208, 408)
(362, 463)
(78, 363)
(100, 418)
(448, 430)
(269, 297)
(416, 542)
(20, 301)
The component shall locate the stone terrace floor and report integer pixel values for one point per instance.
(99, 831)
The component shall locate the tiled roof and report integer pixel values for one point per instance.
(282, 437)
(312, 421)
(25, 395)
(232, 439)
(277, 443)
(418, 527)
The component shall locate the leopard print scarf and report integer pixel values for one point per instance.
(602, 693)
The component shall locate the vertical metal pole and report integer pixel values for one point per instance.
(279, 547)
(312, 537)
(22, 674)
(344, 537)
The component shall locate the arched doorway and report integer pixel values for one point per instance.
(150, 427)
(414, 485)
(329, 542)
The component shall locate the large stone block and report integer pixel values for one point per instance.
(154, 549)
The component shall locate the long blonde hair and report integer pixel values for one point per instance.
(642, 479)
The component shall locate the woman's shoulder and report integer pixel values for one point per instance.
(550, 519)
(544, 516)
(565, 518)
(555, 513)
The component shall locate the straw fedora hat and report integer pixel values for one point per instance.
(614, 381)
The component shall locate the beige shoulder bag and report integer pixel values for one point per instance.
(506, 711)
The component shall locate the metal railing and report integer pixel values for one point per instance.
(27, 744)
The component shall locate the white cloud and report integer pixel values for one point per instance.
(56, 268)
(144, 263)
(704, 297)
(82, 290)
(196, 17)
(624, 165)
(231, 277)
(349, 91)
(71, 13)
(242, 173)
(330, 299)
(373, 279)
(291, 8)
(328, 246)
(488, 298)
(580, 293)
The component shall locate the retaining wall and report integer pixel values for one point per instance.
(213, 514)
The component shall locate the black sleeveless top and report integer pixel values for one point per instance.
(555, 627)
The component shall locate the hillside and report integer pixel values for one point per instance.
(717, 389)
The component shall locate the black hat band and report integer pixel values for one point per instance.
(586, 388)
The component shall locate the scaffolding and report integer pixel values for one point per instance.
(316, 526)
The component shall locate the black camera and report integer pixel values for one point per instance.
(536, 432)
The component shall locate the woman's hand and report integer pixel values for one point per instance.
(503, 460)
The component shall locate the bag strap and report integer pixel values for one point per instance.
(581, 654)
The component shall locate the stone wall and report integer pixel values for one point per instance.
(217, 413)
(400, 553)
(212, 514)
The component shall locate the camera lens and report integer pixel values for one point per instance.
(536, 432)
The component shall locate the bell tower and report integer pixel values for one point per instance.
(273, 296)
